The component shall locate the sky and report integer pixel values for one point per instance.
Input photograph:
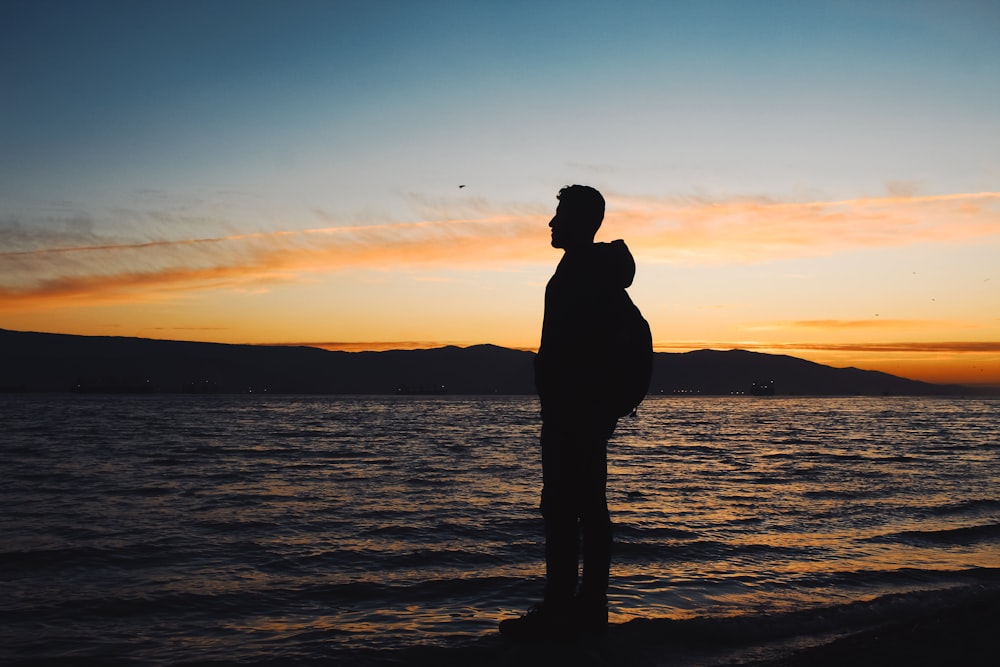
(815, 178)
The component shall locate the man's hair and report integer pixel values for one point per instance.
(585, 203)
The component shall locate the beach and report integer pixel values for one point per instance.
(959, 634)
(965, 636)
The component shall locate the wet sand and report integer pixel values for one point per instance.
(966, 634)
(960, 637)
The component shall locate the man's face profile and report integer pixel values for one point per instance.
(568, 230)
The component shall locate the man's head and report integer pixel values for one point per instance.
(578, 216)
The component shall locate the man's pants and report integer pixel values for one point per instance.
(574, 501)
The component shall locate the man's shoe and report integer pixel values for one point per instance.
(540, 622)
(591, 618)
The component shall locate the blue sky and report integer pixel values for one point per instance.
(154, 154)
(842, 96)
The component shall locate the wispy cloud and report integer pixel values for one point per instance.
(153, 270)
(749, 230)
(952, 347)
(96, 269)
(933, 347)
(873, 323)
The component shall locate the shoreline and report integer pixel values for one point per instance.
(962, 636)
(959, 633)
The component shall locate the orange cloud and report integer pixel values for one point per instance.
(155, 270)
(952, 347)
(684, 230)
(956, 347)
(128, 287)
(754, 230)
(873, 323)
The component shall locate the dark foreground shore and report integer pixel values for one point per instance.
(962, 632)
(968, 635)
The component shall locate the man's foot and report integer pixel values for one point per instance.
(540, 622)
(590, 618)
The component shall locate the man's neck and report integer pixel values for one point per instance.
(577, 247)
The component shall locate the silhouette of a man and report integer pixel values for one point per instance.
(573, 368)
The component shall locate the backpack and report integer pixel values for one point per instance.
(632, 359)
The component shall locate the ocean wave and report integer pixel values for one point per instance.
(902, 577)
(951, 536)
(970, 506)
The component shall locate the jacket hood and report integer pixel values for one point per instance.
(611, 263)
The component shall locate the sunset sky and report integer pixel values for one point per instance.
(815, 178)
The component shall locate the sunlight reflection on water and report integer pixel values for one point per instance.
(783, 492)
(386, 520)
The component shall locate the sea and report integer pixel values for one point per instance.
(380, 530)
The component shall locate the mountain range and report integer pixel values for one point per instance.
(42, 362)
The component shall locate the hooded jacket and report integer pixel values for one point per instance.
(585, 300)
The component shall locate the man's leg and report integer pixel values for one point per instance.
(596, 526)
(574, 476)
(554, 617)
(562, 532)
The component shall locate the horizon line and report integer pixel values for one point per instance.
(774, 349)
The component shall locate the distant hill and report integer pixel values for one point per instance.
(737, 371)
(59, 363)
